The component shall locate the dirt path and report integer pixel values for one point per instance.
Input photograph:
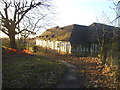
(70, 79)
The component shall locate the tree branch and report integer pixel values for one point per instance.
(40, 19)
(16, 10)
(2, 15)
(7, 5)
(25, 30)
(27, 10)
(4, 31)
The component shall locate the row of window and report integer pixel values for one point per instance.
(92, 48)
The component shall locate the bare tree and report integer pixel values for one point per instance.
(106, 37)
(18, 16)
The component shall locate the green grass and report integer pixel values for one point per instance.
(25, 71)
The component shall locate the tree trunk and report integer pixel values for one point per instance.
(104, 55)
(12, 41)
(12, 37)
(12, 33)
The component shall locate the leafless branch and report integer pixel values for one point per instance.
(25, 30)
(5, 31)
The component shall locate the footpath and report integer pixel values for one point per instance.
(70, 79)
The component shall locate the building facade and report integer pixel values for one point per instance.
(60, 46)
(73, 39)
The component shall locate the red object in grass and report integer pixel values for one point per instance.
(26, 51)
(23, 51)
(11, 49)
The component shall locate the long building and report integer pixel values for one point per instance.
(75, 39)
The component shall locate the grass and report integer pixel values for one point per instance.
(30, 71)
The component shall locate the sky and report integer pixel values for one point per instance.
(83, 12)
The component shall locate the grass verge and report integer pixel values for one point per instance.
(30, 71)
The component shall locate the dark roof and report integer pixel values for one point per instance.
(80, 34)
(77, 34)
(57, 33)
(102, 26)
(97, 30)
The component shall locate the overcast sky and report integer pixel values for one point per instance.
(83, 12)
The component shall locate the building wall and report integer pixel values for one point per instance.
(60, 46)
(85, 50)
(66, 48)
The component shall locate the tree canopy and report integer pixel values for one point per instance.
(18, 16)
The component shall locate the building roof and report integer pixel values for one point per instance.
(80, 35)
(57, 33)
(76, 34)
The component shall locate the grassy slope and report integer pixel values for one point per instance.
(25, 71)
